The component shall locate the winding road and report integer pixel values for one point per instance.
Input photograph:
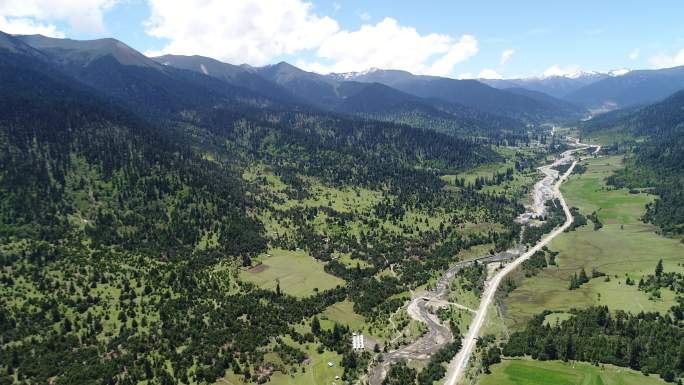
(458, 365)
(422, 305)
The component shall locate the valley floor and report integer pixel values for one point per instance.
(624, 248)
(530, 372)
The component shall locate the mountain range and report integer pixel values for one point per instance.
(558, 86)
(456, 99)
(603, 90)
(632, 89)
(459, 107)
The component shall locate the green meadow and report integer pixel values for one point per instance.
(343, 314)
(624, 247)
(296, 271)
(530, 372)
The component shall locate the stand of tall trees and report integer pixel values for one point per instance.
(648, 342)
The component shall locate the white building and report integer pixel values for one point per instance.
(358, 342)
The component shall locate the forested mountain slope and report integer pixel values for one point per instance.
(119, 72)
(124, 227)
(560, 105)
(381, 102)
(242, 76)
(632, 89)
(60, 138)
(370, 100)
(469, 93)
(556, 86)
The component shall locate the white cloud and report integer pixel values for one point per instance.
(556, 70)
(336, 6)
(27, 26)
(489, 74)
(365, 16)
(238, 31)
(465, 75)
(460, 51)
(634, 54)
(390, 45)
(258, 32)
(663, 60)
(39, 16)
(314, 66)
(506, 56)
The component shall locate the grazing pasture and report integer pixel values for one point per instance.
(297, 273)
(624, 247)
(530, 372)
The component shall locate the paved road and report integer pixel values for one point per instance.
(458, 365)
(420, 309)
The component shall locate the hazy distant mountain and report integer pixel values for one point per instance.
(239, 75)
(374, 75)
(359, 97)
(316, 89)
(356, 95)
(561, 105)
(556, 86)
(182, 84)
(15, 45)
(84, 52)
(123, 73)
(174, 83)
(465, 92)
(382, 102)
(634, 88)
(655, 119)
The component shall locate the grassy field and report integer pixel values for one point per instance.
(317, 372)
(623, 247)
(609, 136)
(346, 259)
(359, 202)
(459, 294)
(297, 272)
(529, 372)
(485, 170)
(343, 313)
(554, 318)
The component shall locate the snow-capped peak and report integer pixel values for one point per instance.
(574, 72)
(352, 75)
(582, 74)
(619, 72)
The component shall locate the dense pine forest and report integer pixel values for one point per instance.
(648, 342)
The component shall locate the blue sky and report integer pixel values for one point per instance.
(450, 38)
